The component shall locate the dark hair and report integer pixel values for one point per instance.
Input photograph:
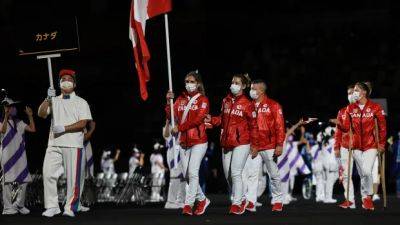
(244, 78)
(198, 79)
(350, 86)
(369, 84)
(364, 87)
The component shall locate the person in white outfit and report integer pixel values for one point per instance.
(330, 166)
(108, 168)
(318, 170)
(135, 161)
(70, 114)
(177, 185)
(157, 172)
(13, 157)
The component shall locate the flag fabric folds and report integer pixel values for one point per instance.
(141, 11)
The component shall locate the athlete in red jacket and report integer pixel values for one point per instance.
(360, 117)
(341, 148)
(190, 109)
(239, 133)
(271, 131)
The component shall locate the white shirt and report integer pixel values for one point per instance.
(133, 164)
(67, 112)
(155, 168)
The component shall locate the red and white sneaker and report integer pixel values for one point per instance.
(250, 207)
(236, 209)
(367, 203)
(187, 210)
(277, 207)
(201, 207)
(347, 204)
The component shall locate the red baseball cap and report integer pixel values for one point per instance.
(64, 72)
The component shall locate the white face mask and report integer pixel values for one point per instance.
(191, 87)
(66, 85)
(350, 98)
(235, 89)
(253, 94)
(356, 96)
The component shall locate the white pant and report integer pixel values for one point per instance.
(233, 163)
(365, 162)
(191, 159)
(251, 172)
(273, 173)
(72, 160)
(318, 172)
(176, 191)
(375, 171)
(344, 158)
(157, 183)
(331, 175)
(7, 196)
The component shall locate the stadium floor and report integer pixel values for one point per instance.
(300, 212)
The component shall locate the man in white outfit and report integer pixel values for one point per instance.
(70, 114)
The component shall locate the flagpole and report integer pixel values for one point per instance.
(171, 101)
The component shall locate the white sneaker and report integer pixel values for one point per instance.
(11, 211)
(69, 213)
(51, 212)
(23, 210)
(172, 205)
(319, 199)
(376, 197)
(330, 201)
(84, 209)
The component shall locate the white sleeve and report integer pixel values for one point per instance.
(160, 159)
(84, 111)
(21, 126)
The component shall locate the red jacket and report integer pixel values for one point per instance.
(342, 138)
(363, 125)
(271, 125)
(193, 130)
(239, 122)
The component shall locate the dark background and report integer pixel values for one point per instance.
(308, 51)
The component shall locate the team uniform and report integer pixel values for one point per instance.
(15, 167)
(342, 143)
(362, 121)
(190, 110)
(239, 131)
(271, 134)
(65, 151)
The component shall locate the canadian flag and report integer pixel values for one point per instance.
(142, 10)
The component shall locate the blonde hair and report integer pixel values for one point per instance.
(198, 79)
